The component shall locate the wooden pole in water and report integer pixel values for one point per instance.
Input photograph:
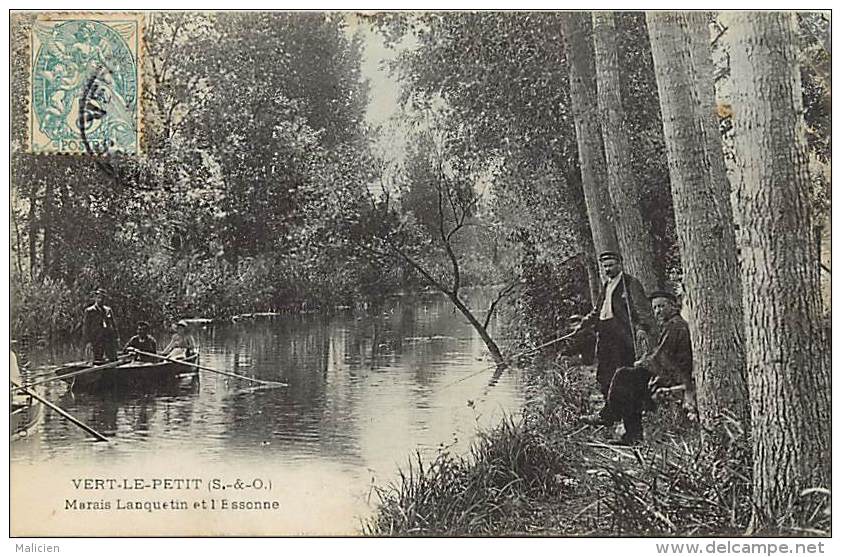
(62, 412)
(109, 365)
(225, 373)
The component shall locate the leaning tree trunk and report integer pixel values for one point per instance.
(631, 229)
(786, 349)
(486, 337)
(703, 215)
(582, 92)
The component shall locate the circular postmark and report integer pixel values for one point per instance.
(85, 88)
(93, 110)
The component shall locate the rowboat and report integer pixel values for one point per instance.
(129, 375)
(24, 414)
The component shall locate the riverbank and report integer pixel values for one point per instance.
(544, 473)
(51, 311)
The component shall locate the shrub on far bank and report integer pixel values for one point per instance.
(45, 309)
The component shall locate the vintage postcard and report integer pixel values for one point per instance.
(559, 274)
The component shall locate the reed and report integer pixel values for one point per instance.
(680, 486)
(481, 493)
(676, 488)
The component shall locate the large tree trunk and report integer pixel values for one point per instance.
(582, 91)
(632, 231)
(703, 215)
(582, 233)
(786, 349)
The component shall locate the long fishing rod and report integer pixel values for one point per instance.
(512, 358)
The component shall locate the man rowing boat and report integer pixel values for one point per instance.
(143, 341)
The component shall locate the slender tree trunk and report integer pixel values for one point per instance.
(33, 229)
(786, 349)
(47, 211)
(631, 229)
(593, 278)
(18, 247)
(582, 91)
(703, 215)
(491, 345)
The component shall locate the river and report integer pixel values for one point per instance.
(365, 392)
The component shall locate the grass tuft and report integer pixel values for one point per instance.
(481, 493)
(676, 487)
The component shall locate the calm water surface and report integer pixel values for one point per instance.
(364, 393)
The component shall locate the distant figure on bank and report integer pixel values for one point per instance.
(621, 311)
(143, 341)
(669, 365)
(100, 329)
(182, 344)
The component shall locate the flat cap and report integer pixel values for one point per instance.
(605, 255)
(662, 294)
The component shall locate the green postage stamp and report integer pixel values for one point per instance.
(86, 83)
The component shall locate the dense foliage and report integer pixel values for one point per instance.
(504, 78)
(261, 185)
(255, 146)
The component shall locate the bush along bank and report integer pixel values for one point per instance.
(545, 473)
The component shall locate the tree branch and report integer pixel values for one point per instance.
(492, 308)
(721, 32)
(165, 64)
(419, 268)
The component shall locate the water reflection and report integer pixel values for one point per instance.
(364, 391)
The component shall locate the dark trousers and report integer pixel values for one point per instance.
(104, 348)
(629, 396)
(614, 349)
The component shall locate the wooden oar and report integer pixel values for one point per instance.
(226, 373)
(109, 365)
(63, 413)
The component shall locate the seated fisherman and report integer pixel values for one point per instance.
(669, 365)
(143, 341)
